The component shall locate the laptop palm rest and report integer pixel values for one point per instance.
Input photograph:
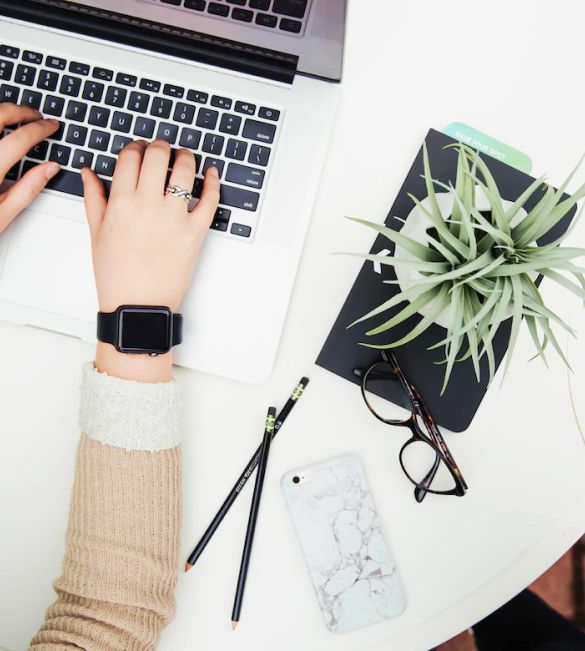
(47, 265)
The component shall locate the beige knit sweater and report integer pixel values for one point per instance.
(116, 591)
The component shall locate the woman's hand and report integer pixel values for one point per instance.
(145, 243)
(12, 148)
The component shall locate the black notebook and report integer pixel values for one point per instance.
(342, 352)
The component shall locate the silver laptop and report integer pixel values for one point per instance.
(249, 85)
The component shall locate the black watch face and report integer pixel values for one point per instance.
(144, 330)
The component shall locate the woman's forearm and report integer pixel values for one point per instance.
(120, 568)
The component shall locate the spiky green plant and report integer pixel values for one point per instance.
(482, 266)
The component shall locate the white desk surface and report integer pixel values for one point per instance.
(512, 69)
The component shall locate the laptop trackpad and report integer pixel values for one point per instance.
(47, 265)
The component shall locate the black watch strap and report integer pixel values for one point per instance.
(108, 327)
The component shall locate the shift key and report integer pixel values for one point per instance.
(238, 198)
(261, 131)
(243, 175)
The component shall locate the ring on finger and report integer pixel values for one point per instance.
(177, 191)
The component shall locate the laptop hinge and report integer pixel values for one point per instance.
(156, 37)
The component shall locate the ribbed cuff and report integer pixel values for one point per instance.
(128, 414)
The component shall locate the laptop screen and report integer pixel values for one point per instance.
(303, 36)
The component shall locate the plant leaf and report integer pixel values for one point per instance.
(419, 265)
(412, 308)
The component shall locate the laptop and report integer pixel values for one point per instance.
(250, 86)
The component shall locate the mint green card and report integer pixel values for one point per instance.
(490, 146)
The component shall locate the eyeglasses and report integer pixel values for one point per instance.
(425, 458)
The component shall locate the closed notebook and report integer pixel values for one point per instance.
(342, 352)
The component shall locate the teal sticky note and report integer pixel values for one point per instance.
(490, 146)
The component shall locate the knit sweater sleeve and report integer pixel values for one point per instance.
(116, 590)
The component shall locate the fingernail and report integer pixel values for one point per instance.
(213, 170)
(51, 169)
(52, 121)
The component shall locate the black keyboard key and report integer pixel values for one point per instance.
(103, 74)
(55, 62)
(32, 57)
(293, 8)
(268, 113)
(76, 135)
(121, 122)
(58, 135)
(213, 162)
(125, 79)
(207, 118)
(119, 143)
(262, 131)
(173, 91)
(138, 102)
(9, 93)
(116, 96)
(184, 113)
(6, 68)
(242, 175)
(79, 68)
(99, 116)
(218, 225)
(190, 138)
(244, 15)
(93, 91)
(230, 124)
(221, 102)
(259, 155)
(60, 154)
(177, 3)
(261, 5)
(266, 20)
(99, 140)
(105, 165)
(31, 98)
(13, 172)
(241, 230)
(288, 25)
(149, 84)
(167, 132)
(48, 80)
(25, 75)
(39, 151)
(70, 86)
(242, 3)
(68, 182)
(9, 51)
(236, 149)
(213, 144)
(197, 5)
(161, 108)
(144, 128)
(218, 10)
(222, 215)
(197, 96)
(245, 107)
(53, 105)
(238, 197)
(82, 159)
(76, 111)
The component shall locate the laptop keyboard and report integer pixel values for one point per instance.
(284, 16)
(101, 110)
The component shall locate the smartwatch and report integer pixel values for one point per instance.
(140, 329)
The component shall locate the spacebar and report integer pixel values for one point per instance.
(70, 183)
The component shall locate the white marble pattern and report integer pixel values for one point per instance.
(353, 572)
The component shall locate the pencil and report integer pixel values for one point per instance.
(254, 508)
(243, 478)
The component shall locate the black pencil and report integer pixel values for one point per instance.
(243, 478)
(254, 508)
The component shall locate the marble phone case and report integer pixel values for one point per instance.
(353, 572)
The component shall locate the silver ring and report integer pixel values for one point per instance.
(177, 191)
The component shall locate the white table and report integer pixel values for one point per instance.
(523, 457)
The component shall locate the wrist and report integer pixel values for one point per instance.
(142, 368)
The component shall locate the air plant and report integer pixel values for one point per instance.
(482, 266)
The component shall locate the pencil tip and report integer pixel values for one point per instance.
(234, 624)
(188, 566)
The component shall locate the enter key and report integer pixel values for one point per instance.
(243, 175)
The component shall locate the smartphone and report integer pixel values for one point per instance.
(353, 572)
